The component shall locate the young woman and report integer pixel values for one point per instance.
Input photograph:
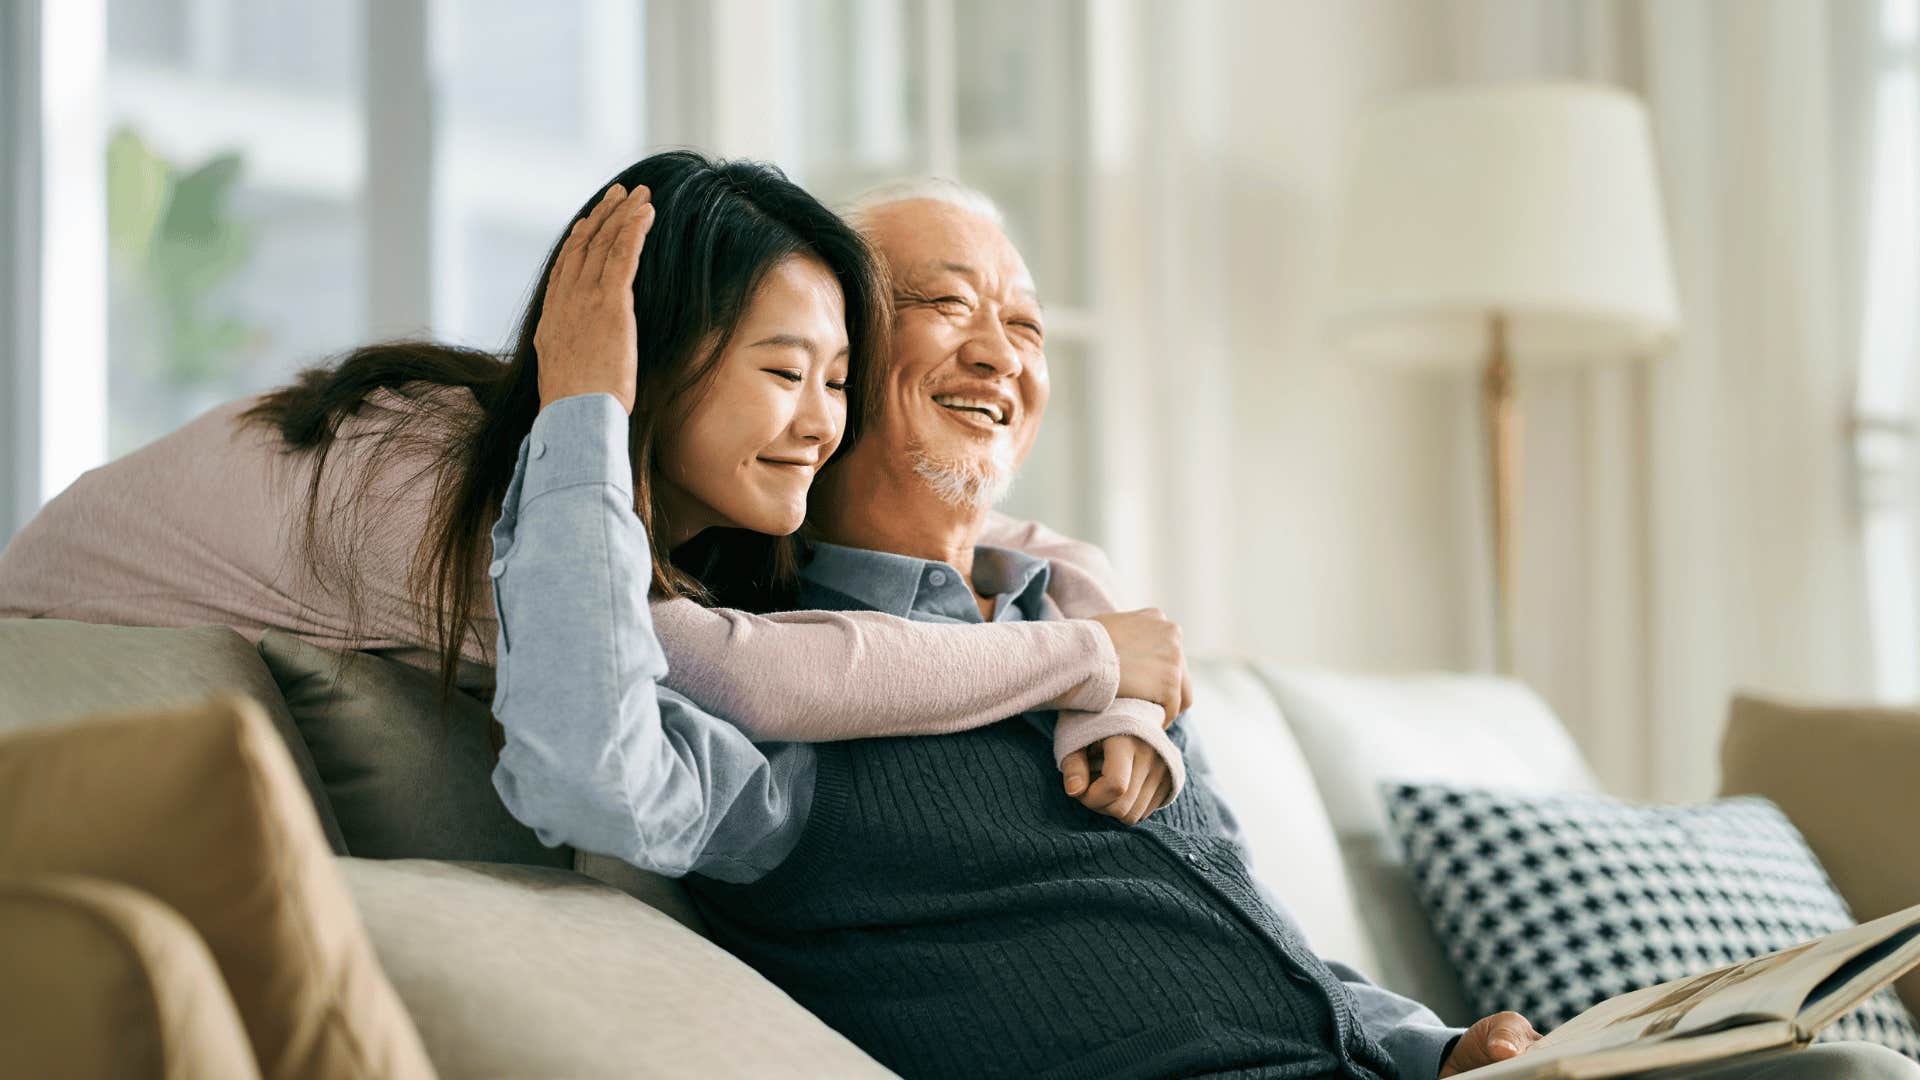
(353, 506)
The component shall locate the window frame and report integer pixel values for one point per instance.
(1882, 426)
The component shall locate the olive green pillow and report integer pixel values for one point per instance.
(404, 781)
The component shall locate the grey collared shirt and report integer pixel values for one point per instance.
(601, 756)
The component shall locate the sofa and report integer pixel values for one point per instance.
(513, 959)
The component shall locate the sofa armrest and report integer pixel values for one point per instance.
(1844, 777)
(103, 980)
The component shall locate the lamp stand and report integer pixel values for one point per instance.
(1503, 433)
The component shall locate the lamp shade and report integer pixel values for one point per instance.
(1538, 202)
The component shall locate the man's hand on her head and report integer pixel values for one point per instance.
(1496, 1038)
(1133, 779)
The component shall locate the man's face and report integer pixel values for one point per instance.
(967, 383)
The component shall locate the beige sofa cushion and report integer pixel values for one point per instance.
(530, 971)
(201, 808)
(654, 890)
(103, 981)
(1358, 731)
(1845, 778)
(53, 670)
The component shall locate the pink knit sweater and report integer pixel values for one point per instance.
(203, 526)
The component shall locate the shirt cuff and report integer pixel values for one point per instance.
(577, 440)
(1418, 1050)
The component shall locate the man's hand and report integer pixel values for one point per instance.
(1496, 1038)
(1133, 782)
(586, 341)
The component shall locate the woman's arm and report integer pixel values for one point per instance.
(597, 755)
(818, 676)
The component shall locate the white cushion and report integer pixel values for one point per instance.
(1358, 731)
(1461, 729)
(1260, 773)
(533, 971)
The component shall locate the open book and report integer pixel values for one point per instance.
(1777, 1000)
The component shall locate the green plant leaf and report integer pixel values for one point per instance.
(138, 184)
(200, 196)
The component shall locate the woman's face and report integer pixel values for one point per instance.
(747, 450)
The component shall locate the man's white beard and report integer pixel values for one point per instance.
(971, 484)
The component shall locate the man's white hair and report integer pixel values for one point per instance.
(935, 188)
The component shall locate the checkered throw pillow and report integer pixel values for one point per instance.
(1550, 903)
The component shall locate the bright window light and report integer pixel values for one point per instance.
(73, 271)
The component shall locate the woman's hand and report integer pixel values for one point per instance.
(1153, 662)
(585, 341)
(1134, 779)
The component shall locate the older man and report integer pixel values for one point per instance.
(938, 899)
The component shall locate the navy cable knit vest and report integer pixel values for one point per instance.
(952, 912)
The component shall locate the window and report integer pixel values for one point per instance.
(995, 94)
(1890, 346)
(541, 104)
(257, 217)
(234, 178)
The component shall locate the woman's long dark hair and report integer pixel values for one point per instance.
(719, 227)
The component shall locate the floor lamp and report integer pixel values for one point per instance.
(1501, 226)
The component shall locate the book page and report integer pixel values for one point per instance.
(1867, 971)
(1766, 988)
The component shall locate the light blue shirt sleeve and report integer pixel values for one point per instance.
(1408, 1031)
(598, 754)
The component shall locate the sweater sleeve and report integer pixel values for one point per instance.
(1080, 585)
(819, 676)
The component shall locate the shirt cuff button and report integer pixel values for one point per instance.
(499, 567)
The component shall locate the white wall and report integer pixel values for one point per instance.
(1356, 538)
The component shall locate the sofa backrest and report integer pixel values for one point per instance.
(52, 670)
(1264, 779)
(1843, 774)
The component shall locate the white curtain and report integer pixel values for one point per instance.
(1692, 528)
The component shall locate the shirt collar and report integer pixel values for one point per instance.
(902, 584)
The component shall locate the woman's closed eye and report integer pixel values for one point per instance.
(794, 376)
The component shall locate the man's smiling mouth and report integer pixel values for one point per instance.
(992, 410)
